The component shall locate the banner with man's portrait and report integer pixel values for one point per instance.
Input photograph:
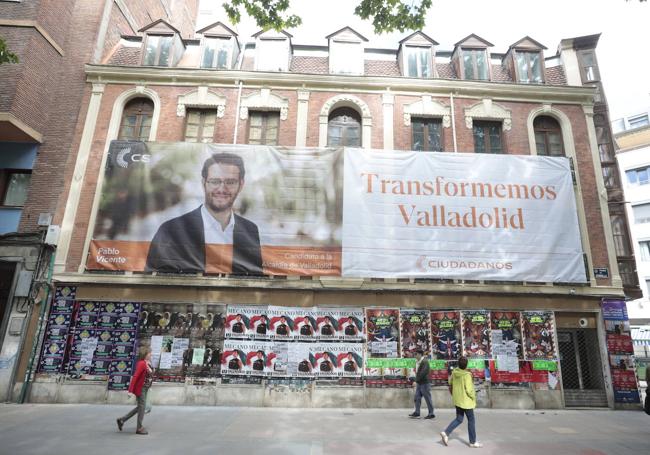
(205, 208)
(260, 210)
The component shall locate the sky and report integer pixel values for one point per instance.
(623, 58)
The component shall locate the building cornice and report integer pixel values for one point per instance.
(110, 74)
(22, 126)
(325, 284)
(36, 26)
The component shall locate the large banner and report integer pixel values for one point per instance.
(248, 210)
(457, 215)
(253, 210)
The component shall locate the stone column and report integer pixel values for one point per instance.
(75, 191)
(302, 118)
(388, 101)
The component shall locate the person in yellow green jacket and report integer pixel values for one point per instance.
(462, 391)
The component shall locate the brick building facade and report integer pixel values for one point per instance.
(41, 99)
(470, 99)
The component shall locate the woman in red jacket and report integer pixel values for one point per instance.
(139, 386)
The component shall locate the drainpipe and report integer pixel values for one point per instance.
(453, 121)
(234, 136)
(45, 305)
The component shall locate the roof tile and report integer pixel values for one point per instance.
(126, 56)
(555, 76)
(309, 65)
(446, 71)
(387, 68)
(500, 74)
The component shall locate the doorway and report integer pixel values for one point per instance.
(582, 373)
(7, 270)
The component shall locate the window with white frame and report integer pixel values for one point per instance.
(641, 213)
(644, 247)
(418, 61)
(638, 121)
(272, 55)
(639, 176)
(216, 53)
(346, 57)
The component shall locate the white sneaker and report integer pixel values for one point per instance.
(476, 445)
(445, 438)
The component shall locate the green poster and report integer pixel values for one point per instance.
(437, 364)
(476, 364)
(390, 363)
(197, 356)
(548, 365)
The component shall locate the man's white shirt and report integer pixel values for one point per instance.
(212, 228)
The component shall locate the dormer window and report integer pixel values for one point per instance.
(163, 45)
(346, 52)
(529, 67)
(525, 60)
(415, 55)
(272, 55)
(219, 47)
(272, 50)
(216, 53)
(418, 60)
(346, 58)
(475, 64)
(158, 50)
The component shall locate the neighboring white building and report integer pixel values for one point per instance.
(632, 137)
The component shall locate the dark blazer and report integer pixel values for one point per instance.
(179, 246)
(422, 374)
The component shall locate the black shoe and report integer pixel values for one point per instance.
(120, 423)
(430, 416)
(414, 415)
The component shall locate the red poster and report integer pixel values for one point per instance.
(525, 374)
(624, 379)
(619, 344)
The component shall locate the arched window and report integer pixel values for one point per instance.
(344, 128)
(548, 136)
(136, 120)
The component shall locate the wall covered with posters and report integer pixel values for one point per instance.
(352, 213)
(620, 351)
(210, 343)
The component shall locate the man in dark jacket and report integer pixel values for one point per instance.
(179, 244)
(422, 385)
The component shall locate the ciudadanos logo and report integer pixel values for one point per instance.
(126, 153)
(426, 264)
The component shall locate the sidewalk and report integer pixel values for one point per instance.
(91, 429)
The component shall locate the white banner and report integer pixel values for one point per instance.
(458, 215)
